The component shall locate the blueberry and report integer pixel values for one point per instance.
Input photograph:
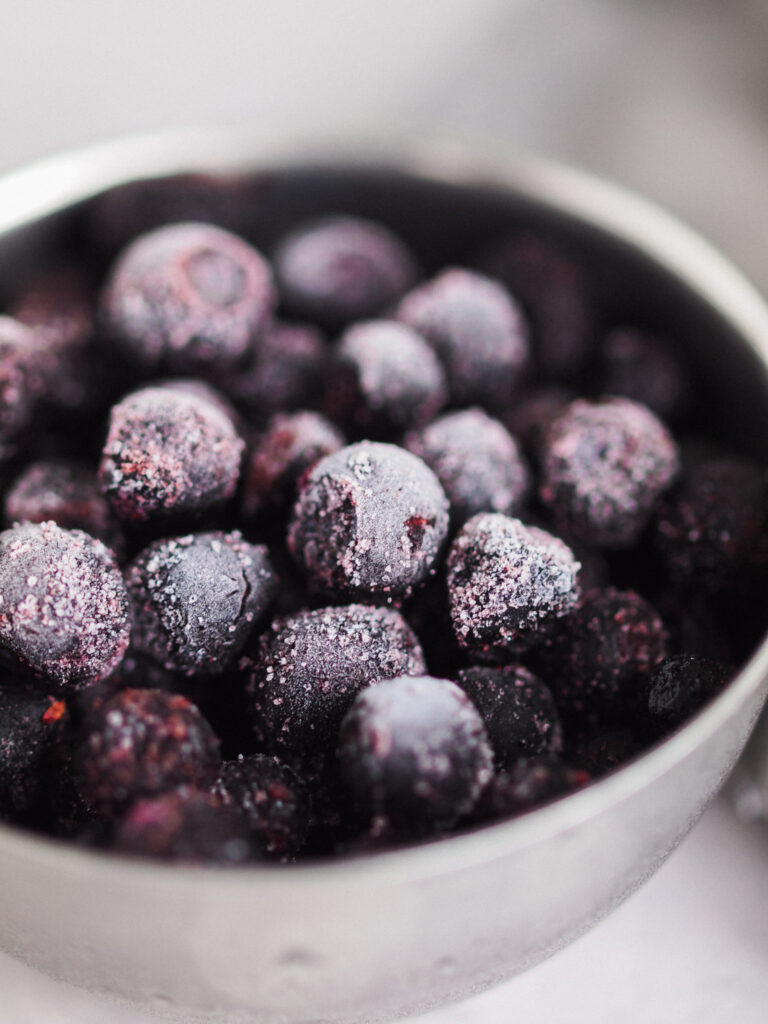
(414, 752)
(476, 329)
(509, 584)
(186, 297)
(185, 825)
(518, 711)
(65, 491)
(273, 800)
(640, 365)
(711, 530)
(29, 726)
(64, 609)
(369, 521)
(284, 373)
(310, 666)
(138, 743)
(20, 384)
(681, 685)
(383, 379)
(605, 466)
(552, 287)
(600, 663)
(168, 451)
(476, 460)
(529, 783)
(196, 599)
(338, 269)
(288, 448)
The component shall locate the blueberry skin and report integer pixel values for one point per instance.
(29, 727)
(681, 685)
(518, 711)
(369, 522)
(414, 751)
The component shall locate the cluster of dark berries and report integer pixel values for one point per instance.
(320, 551)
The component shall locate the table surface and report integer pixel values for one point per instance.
(690, 947)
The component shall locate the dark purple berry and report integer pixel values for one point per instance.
(476, 460)
(476, 329)
(187, 297)
(509, 584)
(196, 599)
(310, 666)
(601, 662)
(553, 291)
(711, 529)
(605, 466)
(414, 752)
(64, 491)
(603, 752)
(369, 521)
(383, 379)
(138, 743)
(637, 364)
(529, 783)
(518, 711)
(284, 372)
(273, 800)
(681, 686)
(63, 604)
(168, 451)
(29, 727)
(20, 384)
(339, 269)
(291, 445)
(185, 825)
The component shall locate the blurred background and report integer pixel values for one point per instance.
(669, 97)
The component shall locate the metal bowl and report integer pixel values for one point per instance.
(365, 939)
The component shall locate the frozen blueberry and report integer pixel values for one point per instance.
(291, 445)
(509, 584)
(601, 662)
(338, 269)
(414, 752)
(196, 599)
(273, 800)
(284, 373)
(603, 752)
(168, 451)
(137, 743)
(476, 329)
(681, 685)
(20, 384)
(383, 379)
(637, 364)
(711, 528)
(185, 825)
(518, 711)
(369, 521)
(476, 460)
(310, 666)
(58, 305)
(605, 466)
(29, 725)
(187, 296)
(65, 491)
(527, 784)
(63, 604)
(554, 292)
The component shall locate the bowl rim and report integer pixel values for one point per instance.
(48, 185)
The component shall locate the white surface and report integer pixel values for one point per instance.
(691, 947)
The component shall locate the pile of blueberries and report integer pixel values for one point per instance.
(323, 554)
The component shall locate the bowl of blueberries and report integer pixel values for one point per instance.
(382, 567)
